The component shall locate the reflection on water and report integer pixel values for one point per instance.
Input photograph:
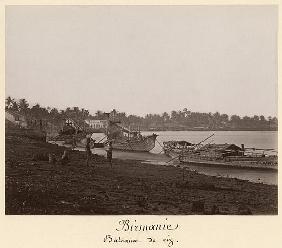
(257, 176)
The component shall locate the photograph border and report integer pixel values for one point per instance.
(89, 231)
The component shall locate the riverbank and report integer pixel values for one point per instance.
(34, 186)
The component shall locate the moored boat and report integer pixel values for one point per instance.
(231, 156)
(221, 155)
(126, 140)
(71, 136)
(269, 162)
(175, 148)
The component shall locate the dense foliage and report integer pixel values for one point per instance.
(176, 120)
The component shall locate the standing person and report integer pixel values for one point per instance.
(73, 142)
(65, 158)
(110, 153)
(40, 124)
(88, 149)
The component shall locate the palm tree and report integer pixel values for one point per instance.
(98, 114)
(165, 117)
(54, 113)
(23, 105)
(235, 120)
(174, 115)
(15, 107)
(9, 102)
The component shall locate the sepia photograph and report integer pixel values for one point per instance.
(141, 110)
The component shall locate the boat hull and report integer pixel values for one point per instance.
(145, 144)
(239, 162)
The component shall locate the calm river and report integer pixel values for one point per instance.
(257, 139)
(251, 139)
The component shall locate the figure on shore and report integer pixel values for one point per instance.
(65, 158)
(88, 150)
(40, 124)
(110, 153)
(73, 142)
(52, 158)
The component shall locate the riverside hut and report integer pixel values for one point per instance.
(16, 118)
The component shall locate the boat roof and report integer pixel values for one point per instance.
(180, 142)
(221, 147)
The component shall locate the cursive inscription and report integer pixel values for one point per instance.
(110, 239)
(132, 226)
(131, 232)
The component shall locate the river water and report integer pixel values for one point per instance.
(250, 139)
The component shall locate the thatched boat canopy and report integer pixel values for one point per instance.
(222, 147)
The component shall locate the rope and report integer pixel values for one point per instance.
(101, 139)
(159, 143)
(160, 146)
(173, 159)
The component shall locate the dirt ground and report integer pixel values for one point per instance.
(33, 186)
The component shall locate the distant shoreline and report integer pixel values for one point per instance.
(191, 129)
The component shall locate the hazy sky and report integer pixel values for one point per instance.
(144, 59)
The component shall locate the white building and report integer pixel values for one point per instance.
(97, 124)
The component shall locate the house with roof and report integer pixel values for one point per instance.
(16, 118)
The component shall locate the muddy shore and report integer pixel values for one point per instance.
(33, 186)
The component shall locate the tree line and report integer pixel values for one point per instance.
(175, 120)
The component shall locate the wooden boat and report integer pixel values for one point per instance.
(221, 155)
(230, 156)
(126, 140)
(175, 148)
(70, 136)
(268, 162)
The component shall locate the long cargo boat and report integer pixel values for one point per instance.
(221, 155)
(242, 162)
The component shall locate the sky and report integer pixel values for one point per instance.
(144, 59)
